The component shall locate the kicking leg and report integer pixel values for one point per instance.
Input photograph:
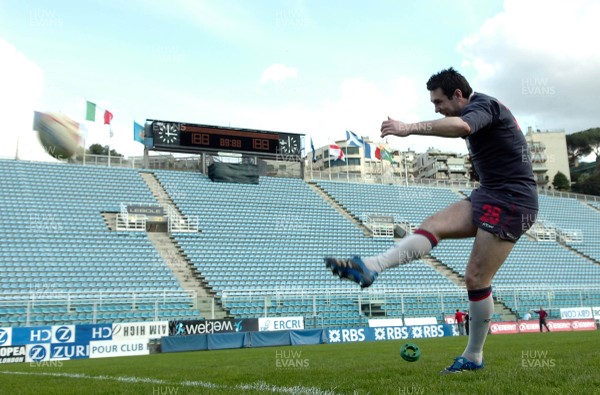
(454, 221)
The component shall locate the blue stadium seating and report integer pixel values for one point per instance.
(571, 214)
(55, 241)
(533, 265)
(274, 235)
(407, 203)
(260, 249)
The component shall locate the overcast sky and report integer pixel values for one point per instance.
(312, 67)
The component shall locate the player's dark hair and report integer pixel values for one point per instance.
(449, 80)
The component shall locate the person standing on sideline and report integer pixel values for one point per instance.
(459, 317)
(467, 322)
(543, 315)
(496, 214)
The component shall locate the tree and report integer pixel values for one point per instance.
(584, 143)
(97, 149)
(561, 182)
(590, 185)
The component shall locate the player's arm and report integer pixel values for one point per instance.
(451, 127)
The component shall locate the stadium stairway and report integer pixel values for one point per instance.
(340, 208)
(110, 219)
(594, 205)
(187, 275)
(189, 278)
(445, 271)
(581, 254)
(503, 311)
(160, 194)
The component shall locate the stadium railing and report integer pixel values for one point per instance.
(339, 306)
(191, 163)
(54, 307)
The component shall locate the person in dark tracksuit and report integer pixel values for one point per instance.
(543, 315)
(496, 214)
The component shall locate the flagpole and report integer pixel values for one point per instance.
(109, 138)
(17, 150)
(403, 168)
(363, 166)
(347, 165)
(399, 163)
(405, 171)
(312, 161)
(146, 162)
(314, 157)
(381, 160)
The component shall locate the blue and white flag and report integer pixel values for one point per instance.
(353, 139)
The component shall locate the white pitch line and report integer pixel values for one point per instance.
(257, 386)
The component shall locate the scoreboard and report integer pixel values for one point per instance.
(194, 138)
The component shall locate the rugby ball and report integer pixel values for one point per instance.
(58, 134)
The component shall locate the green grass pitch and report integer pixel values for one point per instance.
(548, 363)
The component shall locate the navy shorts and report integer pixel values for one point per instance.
(493, 212)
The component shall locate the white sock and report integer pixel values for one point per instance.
(410, 248)
(480, 315)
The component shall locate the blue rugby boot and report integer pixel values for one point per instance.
(460, 365)
(353, 269)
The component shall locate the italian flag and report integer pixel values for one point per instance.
(94, 113)
(377, 152)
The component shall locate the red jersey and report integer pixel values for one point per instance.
(459, 316)
(542, 314)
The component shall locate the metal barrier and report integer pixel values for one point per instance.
(179, 223)
(369, 299)
(130, 222)
(41, 302)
